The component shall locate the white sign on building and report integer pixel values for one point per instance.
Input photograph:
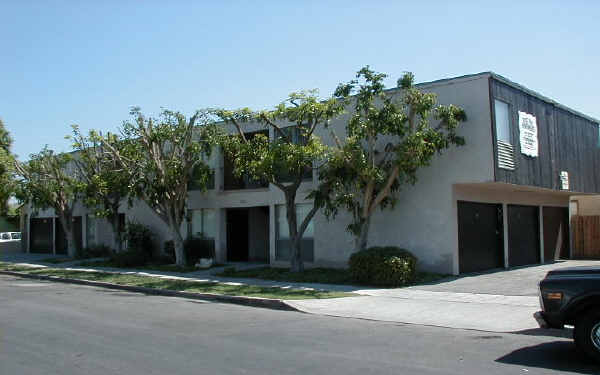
(528, 134)
(564, 180)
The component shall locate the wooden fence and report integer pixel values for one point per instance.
(586, 236)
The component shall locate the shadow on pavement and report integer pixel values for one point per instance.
(566, 333)
(557, 355)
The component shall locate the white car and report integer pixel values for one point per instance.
(10, 236)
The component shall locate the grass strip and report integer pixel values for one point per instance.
(315, 275)
(180, 285)
(148, 267)
(56, 260)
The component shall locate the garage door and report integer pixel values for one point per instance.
(523, 235)
(556, 233)
(41, 235)
(480, 242)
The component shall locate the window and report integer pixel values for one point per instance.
(505, 149)
(211, 162)
(233, 182)
(283, 242)
(502, 121)
(196, 184)
(203, 223)
(90, 230)
(298, 138)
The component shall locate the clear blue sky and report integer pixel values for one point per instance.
(87, 62)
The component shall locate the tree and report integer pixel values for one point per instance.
(49, 180)
(160, 155)
(388, 141)
(6, 169)
(284, 160)
(106, 183)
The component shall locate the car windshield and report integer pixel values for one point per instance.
(16, 236)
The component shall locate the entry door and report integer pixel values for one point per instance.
(523, 235)
(480, 242)
(41, 235)
(237, 235)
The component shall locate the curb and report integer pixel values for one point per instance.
(267, 303)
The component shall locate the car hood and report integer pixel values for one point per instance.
(575, 271)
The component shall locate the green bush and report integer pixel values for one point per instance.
(198, 247)
(140, 239)
(130, 258)
(94, 251)
(385, 266)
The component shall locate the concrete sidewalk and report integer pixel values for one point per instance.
(498, 301)
(493, 313)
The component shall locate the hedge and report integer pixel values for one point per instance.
(385, 266)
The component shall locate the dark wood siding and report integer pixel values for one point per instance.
(566, 142)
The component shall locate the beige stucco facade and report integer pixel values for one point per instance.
(423, 221)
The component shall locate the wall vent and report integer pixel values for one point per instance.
(506, 156)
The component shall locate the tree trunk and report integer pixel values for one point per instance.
(66, 221)
(180, 259)
(71, 248)
(296, 264)
(363, 235)
(117, 243)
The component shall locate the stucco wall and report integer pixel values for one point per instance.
(423, 220)
(587, 205)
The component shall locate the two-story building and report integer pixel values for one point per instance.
(499, 201)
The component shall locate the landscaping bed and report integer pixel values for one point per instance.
(178, 285)
(315, 275)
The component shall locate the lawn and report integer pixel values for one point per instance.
(180, 285)
(314, 275)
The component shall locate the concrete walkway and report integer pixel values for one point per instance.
(498, 301)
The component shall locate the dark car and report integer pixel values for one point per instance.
(571, 296)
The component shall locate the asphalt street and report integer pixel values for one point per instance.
(54, 328)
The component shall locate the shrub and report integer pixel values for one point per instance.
(198, 247)
(229, 271)
(129, 258)
(94, 251)
(139, 239)
(386, 266)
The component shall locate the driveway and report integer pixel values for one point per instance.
(522, 281)
(500, 301)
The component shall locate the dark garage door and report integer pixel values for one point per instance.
(480, 242)
(41, 235)
(556, 220)
(523, 235)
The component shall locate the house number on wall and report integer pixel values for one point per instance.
(528, 134)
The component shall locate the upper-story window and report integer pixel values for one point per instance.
(502, 121)
(506, 156)
(233, 182)
(297, 136)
